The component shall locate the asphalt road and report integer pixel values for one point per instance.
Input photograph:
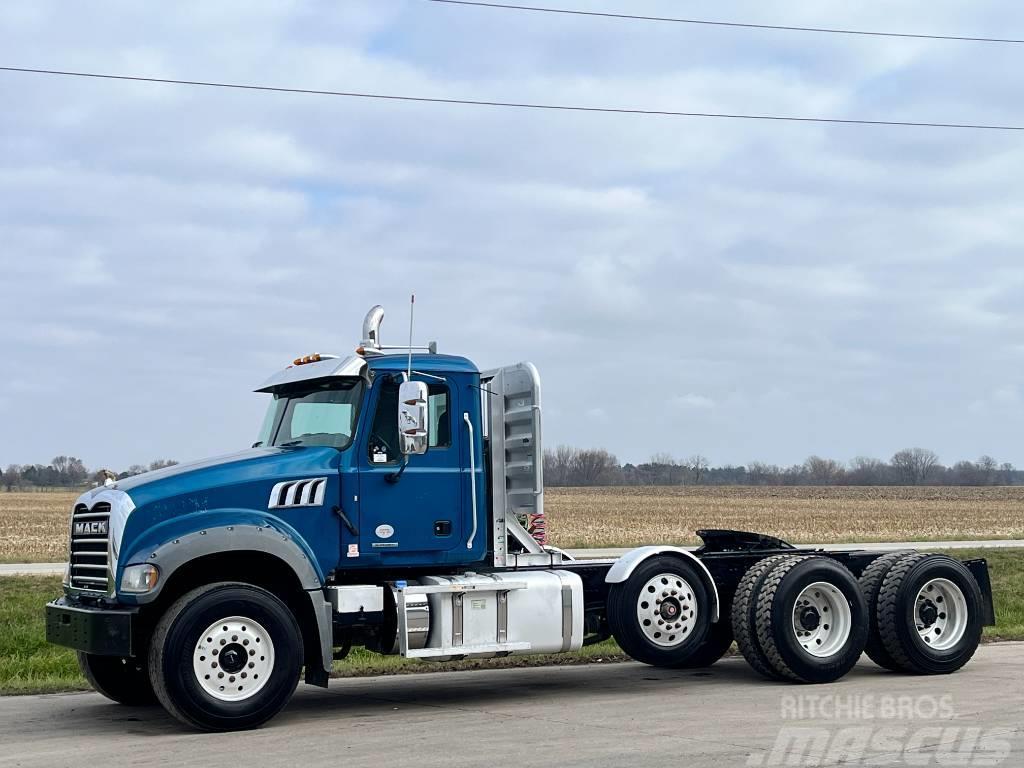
(597, 715)
(56, 569)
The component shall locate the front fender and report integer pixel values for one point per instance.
(626, 564)
(175, 542)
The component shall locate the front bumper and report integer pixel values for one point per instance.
(101, 631)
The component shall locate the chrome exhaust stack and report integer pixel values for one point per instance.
(371, 328)
(371, 345)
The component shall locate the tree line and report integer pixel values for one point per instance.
(68, 472)
(569, 466)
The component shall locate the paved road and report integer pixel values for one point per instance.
(56, 569)
(594, 716)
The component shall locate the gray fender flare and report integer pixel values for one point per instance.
(172, 555)
(625, 565)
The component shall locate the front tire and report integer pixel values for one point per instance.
(661, 614)
(226, 657)
(121, 679)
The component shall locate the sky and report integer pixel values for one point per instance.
(744, 290)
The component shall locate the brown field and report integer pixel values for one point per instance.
(622, 517)
(33, 526)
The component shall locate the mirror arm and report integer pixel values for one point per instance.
(394, 477)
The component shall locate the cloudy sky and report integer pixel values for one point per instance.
(747, 290)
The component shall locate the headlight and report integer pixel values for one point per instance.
(139, 578)
(66, 581)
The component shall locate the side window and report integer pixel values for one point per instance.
(440, 416)
(383, 444)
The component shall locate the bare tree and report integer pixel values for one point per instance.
(988, 467)
(967, 473)
(161, 464)
(12, 477)
(134, 469)
(759, 473)
(915, 465)
(663, 469)
(1006, 472)
(593, 466)
(865, 470)
(558, 465)
(69, 470)
(821, 471)
(698, 467)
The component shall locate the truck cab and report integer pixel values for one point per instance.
(395, 509)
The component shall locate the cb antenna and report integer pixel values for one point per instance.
(412, 307)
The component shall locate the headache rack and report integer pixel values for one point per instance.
(512, 419)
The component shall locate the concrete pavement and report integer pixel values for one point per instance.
(593, 716)
(57, 569)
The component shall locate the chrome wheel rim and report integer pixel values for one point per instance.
(940, 614)
(233, 659)
(666, 610)
(822, 619)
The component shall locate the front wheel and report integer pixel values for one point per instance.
(121, 679)
(661, 614)
(226, 657)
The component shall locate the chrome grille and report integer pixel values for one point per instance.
(90, 536)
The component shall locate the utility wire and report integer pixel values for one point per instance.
(509, 104)
(734, 24)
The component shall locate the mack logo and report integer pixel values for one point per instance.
(91, 528)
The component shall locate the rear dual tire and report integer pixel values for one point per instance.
(926, 613)
(800, 618)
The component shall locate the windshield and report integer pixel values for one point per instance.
(322, 414)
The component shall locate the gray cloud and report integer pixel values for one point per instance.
(746, 290)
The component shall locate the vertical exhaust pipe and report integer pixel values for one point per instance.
(371, 327)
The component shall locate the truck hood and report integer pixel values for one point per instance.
(241, 468)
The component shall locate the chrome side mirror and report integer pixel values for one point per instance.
(413, 423)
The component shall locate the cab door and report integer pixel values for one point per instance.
(411, 518)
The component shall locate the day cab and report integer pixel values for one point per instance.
(395, 501)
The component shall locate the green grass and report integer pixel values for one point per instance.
(1006, 568)
(28, 664)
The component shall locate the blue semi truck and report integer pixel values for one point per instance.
(395, 501)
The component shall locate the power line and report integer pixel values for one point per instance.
(510, 104)
(734, 24)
